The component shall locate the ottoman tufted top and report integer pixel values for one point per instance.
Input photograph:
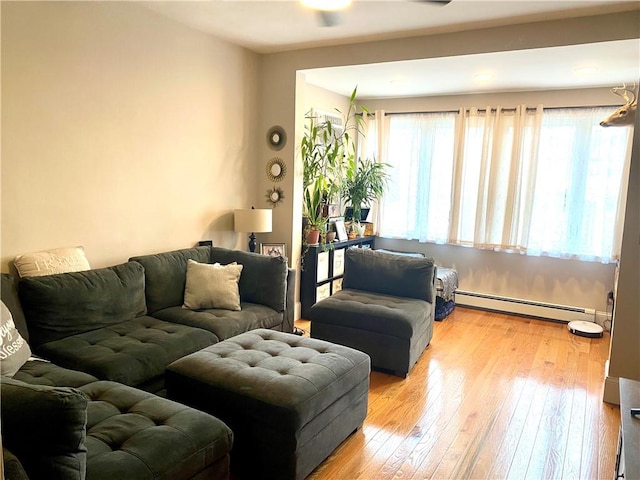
(280, 375)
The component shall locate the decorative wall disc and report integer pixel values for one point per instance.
(276, 169)
(276, 138)
(275, 195)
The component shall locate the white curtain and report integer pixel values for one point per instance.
(580, 191)
(541, 182)
(420, 151)
(494, 173)
(373, 145)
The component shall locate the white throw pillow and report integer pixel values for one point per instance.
(14, 351)
(212, 286)
(59, 260)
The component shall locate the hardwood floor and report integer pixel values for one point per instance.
(494, 396)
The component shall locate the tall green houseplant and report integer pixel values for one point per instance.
(326, 154)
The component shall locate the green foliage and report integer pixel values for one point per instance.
(326, 152)
(365, 181)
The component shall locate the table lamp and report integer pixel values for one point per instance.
(252, 220)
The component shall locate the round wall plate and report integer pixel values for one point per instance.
(276, 138)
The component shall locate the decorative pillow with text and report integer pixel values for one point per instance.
(59, 260)
(212, 286)
(14, 351)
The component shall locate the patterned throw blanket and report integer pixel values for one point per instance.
(447, 283)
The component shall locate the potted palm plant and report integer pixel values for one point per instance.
(312, 210)
(365, 182)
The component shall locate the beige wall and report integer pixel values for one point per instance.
(123, 131)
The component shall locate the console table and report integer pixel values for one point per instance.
(323, 268)
(627, 458)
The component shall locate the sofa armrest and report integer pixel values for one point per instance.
(45, 427)
(289, 312)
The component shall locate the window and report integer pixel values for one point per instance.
(541, 182)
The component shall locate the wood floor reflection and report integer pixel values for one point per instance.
(494, 396)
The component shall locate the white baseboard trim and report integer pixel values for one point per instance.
(527, 308)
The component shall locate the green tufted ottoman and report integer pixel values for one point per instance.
(290, 401)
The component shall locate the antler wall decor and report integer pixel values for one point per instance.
(626, 114)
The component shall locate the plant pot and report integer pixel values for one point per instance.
(360, 228)
(331, 236)
(312, 237)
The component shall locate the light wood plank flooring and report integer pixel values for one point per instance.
(493, 397)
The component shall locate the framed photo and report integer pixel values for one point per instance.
(341, 231)
(273, 249)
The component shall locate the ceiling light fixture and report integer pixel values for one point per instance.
(326, 5)
(590, 70)
(483, 77)
(399, 83)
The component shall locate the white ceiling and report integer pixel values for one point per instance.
(267, 26)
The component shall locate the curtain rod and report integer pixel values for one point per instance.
(511, 109)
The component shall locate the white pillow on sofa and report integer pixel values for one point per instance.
(212, 286)
(14, 351)
(48, 262)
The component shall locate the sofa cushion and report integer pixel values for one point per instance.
(212, 286)
(224, 323)
(9, 295)
(133, 434)
(263, 279)
(14, 351)
(394, 275)
(165, 275)
(133, 352)
(58, 306)
(45, 428)
(374, 312)
(49, 262)
(43, 372)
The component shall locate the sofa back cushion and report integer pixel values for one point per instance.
(400, 276)
(58, 306)
(263, 279)
(45, 427)
(166, 275)
(9, 294)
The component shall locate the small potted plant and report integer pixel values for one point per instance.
(365, 182)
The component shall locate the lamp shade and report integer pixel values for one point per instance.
(254, 220)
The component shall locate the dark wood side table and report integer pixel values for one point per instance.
(628, 456)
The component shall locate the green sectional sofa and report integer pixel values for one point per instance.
(63, 424)
(126, 323)
(94, 409)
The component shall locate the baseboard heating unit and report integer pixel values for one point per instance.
(528, 308)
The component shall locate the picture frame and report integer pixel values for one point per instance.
(274, 249)
(341, 230)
